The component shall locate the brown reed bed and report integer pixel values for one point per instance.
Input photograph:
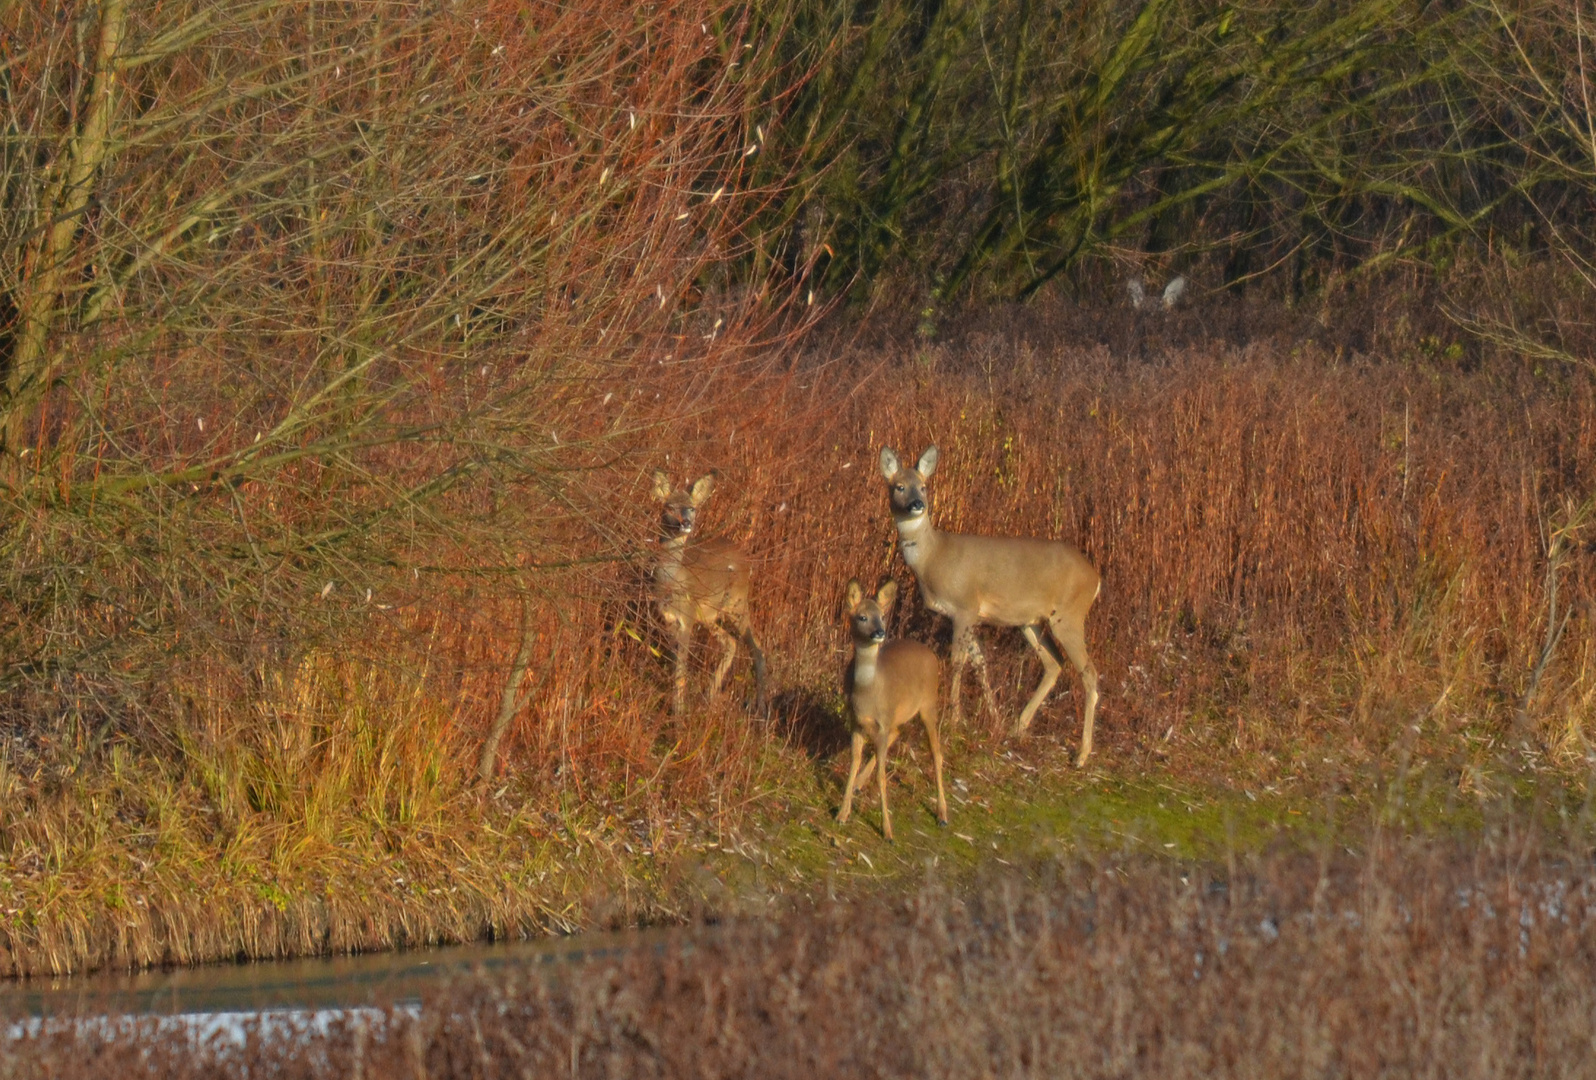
(1454, 959)
(335, 379)
(1325, 568)
(334, 385)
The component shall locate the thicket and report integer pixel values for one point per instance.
(340, 339)
(989, 147)
(310, 311)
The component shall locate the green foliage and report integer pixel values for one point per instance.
(997, 144)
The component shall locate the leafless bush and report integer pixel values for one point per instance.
(321, 318)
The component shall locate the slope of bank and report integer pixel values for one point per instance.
(496, 865)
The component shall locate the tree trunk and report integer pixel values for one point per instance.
(61, 212)
(513, 700)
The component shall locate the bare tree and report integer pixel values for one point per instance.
(308, 311)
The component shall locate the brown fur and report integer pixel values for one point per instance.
(889, 683)
(702, 583)
(997, 580)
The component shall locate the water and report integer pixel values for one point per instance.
(318, 986)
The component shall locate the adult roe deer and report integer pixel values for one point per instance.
(888, 685)
(702, 583)
(999, 581)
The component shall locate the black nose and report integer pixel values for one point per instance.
(917, 505)
(879, 635)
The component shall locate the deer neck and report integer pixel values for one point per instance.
(864, 664)
(668, 572)
(917, 540)
(672, 547)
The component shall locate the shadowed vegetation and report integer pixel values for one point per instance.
(341, 343)
(1464, 962)
(967, 147)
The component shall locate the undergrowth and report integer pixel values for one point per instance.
(1325, 606)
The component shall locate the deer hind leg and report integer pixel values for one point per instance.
(868, 772)
(853, 778)
(761, 686)
(928, 717)
(1050, 669)
(870, 766)
(728, 653)
(1071, 637)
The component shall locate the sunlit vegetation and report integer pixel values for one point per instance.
(341, 342)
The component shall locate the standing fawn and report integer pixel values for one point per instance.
(702, 583)
(999, 581)
(888, 685)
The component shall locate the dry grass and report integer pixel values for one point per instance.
(312, 385)
(311, 403)
(1448, 960)
(1302, 546)
(293, 476)
(1319, 564)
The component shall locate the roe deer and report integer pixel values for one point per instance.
(888, 685)
(702, 583)
(1000, 581)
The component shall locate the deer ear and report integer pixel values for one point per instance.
(928, 462)
(855, 594)
(889, 462)
(662, 486)
(703, 488)
(886, 595)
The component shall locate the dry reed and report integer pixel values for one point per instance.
(1453, 960)
(247, 684)
(1309, 556)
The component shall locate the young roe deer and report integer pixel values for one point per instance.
(888, 685)
(999, 581)
(702, 583)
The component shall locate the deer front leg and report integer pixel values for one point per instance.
(853, 778)
(928, 718)
(684, 642)
(963, 636)
(977, 655)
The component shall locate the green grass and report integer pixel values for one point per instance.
(1025, 805)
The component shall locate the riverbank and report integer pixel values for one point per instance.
(497, 865)
(1471, 957)
(1331, 581)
